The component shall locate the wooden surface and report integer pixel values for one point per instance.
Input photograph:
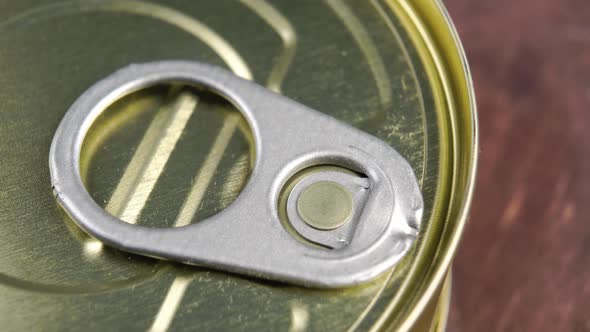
(524, 262)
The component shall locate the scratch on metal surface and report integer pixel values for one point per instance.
(207, 171)
(160, 12)
(237, 175)
(367, 45)
(178, 19)
(165, 315)
(354, 326)
(146, 165)
(381, 11)
(175, 293)
(287, 34)
(152, 154)
(191, 25)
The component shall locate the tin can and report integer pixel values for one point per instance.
(394, 69)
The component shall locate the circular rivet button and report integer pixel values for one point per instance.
(325, 205)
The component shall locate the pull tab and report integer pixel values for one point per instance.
(327, 205)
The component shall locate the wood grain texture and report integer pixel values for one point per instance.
(524, 261)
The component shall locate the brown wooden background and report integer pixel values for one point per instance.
(524, 263)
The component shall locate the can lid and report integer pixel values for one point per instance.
(393, 69)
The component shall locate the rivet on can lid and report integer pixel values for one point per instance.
(325, 205)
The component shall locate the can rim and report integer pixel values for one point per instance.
(451, 67)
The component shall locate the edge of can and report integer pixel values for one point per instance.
(429, 26)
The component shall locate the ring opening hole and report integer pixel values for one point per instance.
(167, 155)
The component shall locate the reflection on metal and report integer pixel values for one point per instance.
(170, 304)
(92, 248)
(278, 22)
(299, 318)
(189, 24)
(367, 46)
(128, 114)
(363, 315)
(206, 172)
(67, 274)
(382, 13)
(133, 190)
(288, 36)
(166, 14)
(386, 231)
(176, 18)
(152, 154)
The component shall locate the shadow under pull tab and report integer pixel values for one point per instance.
(346, 223)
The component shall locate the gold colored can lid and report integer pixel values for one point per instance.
(172, 155)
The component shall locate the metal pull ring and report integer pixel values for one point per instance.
(248, 237)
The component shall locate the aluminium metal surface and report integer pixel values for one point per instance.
(245, 237)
